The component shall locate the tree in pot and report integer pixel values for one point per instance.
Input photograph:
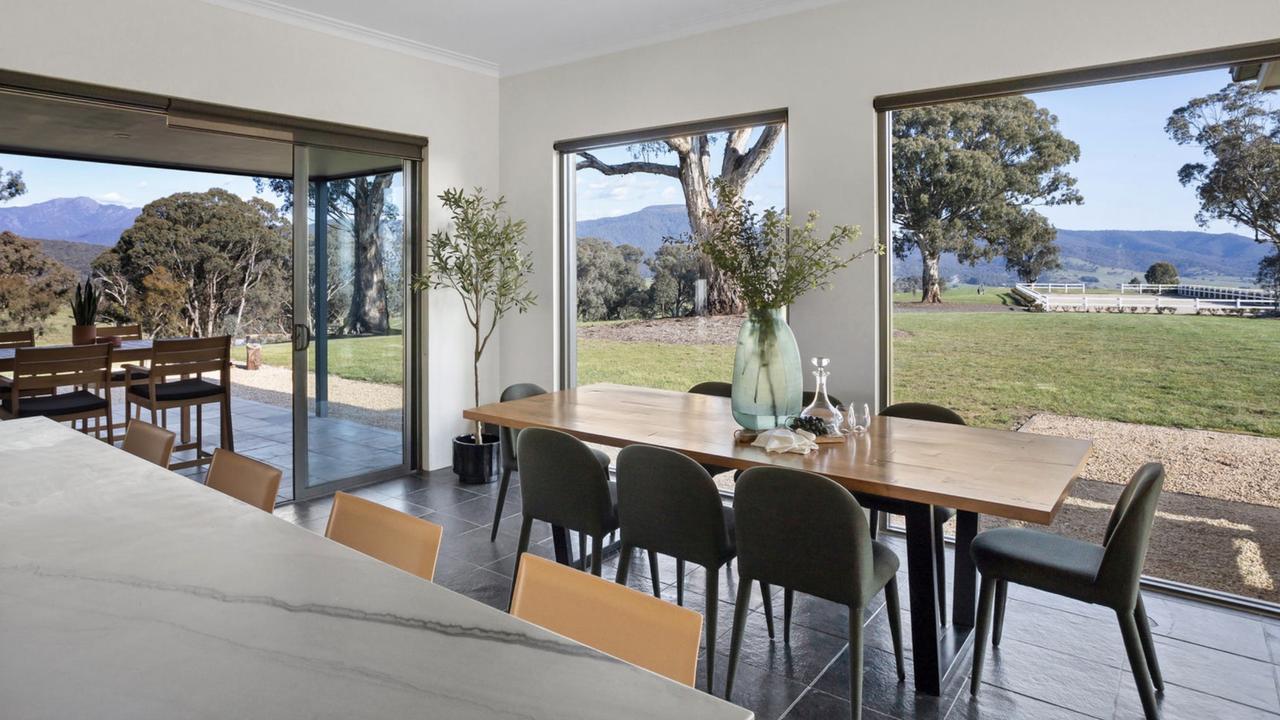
(772, 263)
(84, 310)
(484, 262)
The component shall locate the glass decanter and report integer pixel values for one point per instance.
(822, 407)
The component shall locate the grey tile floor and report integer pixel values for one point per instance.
(1059, 659)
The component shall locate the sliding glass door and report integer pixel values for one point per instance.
(351, 312)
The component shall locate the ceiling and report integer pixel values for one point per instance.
(514, 36)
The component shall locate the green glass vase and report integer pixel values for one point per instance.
(768, 382)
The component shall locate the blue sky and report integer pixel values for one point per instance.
(1127, 170)
(48, 178)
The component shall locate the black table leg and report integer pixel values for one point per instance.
(922, 588)
(964, 601)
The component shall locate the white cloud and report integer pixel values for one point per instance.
(112, 197)
(142, 184)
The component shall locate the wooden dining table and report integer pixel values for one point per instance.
(129, 351)
(131, 592)
(1013, 475)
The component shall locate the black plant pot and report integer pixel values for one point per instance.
(476, 463)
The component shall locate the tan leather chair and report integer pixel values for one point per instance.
(609, 617)
(395, 538)
(244, 479)
(151, 443)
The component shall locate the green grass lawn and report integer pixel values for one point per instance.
(1213, 373)
(659, 365)
(376, 358)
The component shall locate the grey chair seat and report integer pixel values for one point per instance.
(80, 401)
(1053, 563)
(189, 389)
(603, 458)
(884, 563)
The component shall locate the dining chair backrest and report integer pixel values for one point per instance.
(45, 369)
(149, 442)
(191, 356)
(713, 387)
(507, 436)
(18, 338)
(399, 539)
(804, 532)
(923, 411)
(1129, 533)
(244, 479)
(562, 482)
(612, 618)
(124, 332)
(669, 504)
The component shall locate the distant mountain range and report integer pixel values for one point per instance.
(1111, 256)
(79, 219)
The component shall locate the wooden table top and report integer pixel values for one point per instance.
(128, 351)
(132, 593)
(1021, 476)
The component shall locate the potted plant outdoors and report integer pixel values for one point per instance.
(84, 310)
(773, 263)
(483, 260)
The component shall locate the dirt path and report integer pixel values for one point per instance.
(363, 402)
(717, 330)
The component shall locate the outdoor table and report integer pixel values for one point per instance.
(1019, 476)
(131, 592)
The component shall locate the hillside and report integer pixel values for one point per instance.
(1112, 256)
(78, 256)
(80, 219)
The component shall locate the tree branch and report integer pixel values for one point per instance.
(591, 161)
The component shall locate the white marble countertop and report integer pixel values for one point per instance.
(127, 591)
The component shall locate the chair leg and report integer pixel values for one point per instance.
(111, 433)
(1002, 597)
(597, 555)
(873, 522)
(788, 596)
(653, 574)
(502, 499)
(624, 563)
(940, 571)
(228, 437)
(1148, 646)
(986, 595)
(766, 592)
(893, 608)
(680, 582)
(582, 550)
(710, 611)
(855, 662)
(1138, 663)
(526, 527)
(735, 639)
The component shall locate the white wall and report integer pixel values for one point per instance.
(825, 66)
(193, 50)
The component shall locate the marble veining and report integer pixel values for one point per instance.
(127, 591)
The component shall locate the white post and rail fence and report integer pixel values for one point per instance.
(1146, 297)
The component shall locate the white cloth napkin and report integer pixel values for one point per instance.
(783, 440)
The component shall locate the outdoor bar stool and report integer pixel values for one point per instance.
(507, 445)
(876, 504)
(187, 360)
(807, 533)
(1106, 574)
(563, 483)
(668, 503)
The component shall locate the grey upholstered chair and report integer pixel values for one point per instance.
(507, 445)
(876, 504)
(668, 503)
(1106, 574)
(806, 533)
(563, 482)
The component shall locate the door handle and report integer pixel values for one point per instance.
(301, 338)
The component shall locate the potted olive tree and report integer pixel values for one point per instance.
(84, 311)
(483, 260)
(773, 263)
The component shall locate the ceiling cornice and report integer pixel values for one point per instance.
(358, 33)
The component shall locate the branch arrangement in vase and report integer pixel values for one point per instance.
(484, 262)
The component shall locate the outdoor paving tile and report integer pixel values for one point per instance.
(1058, 678)
(996, 703)
(1225, 675)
